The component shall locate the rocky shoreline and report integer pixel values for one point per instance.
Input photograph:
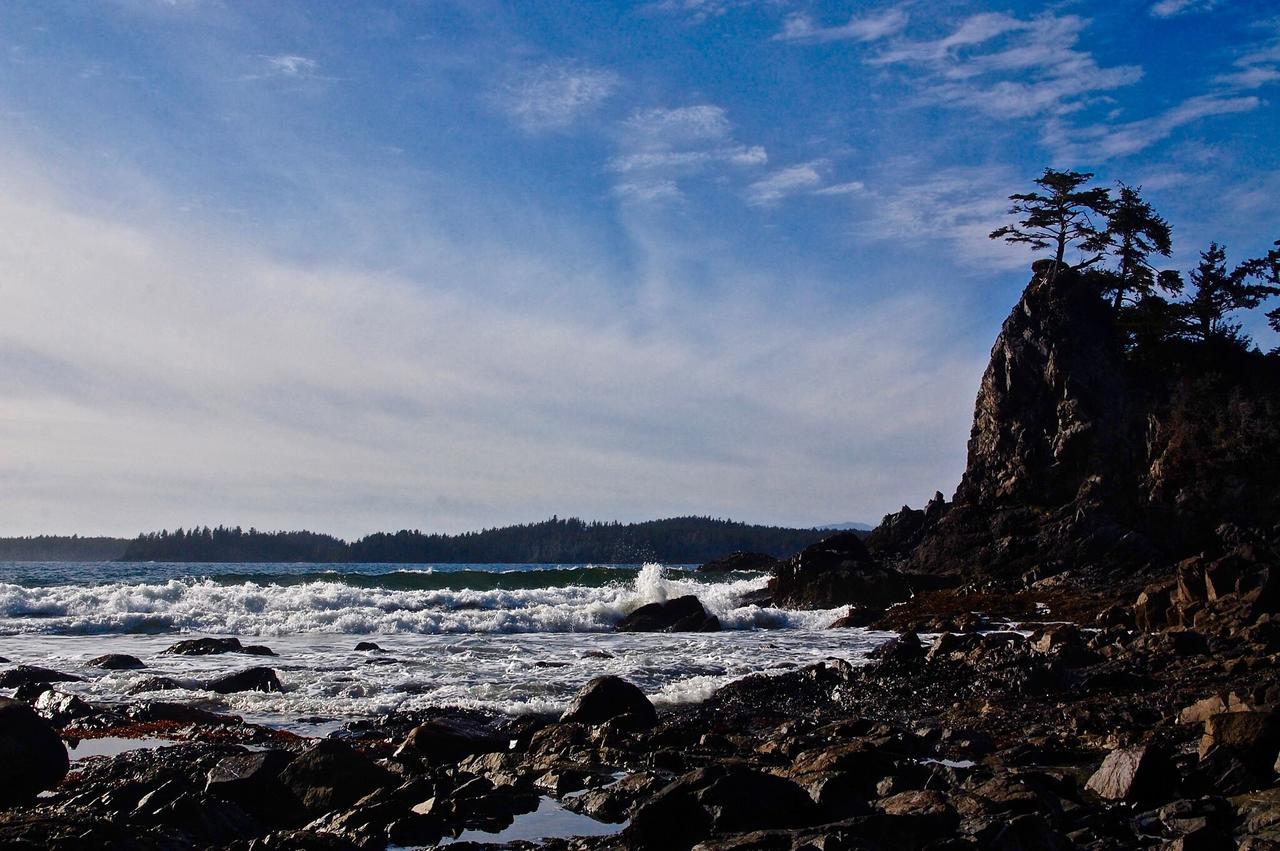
(993, 735)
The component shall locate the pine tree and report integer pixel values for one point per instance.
(1060, 217)
(1136, 232)
(1217, 293)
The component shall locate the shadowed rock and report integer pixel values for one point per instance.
(215, 646)
(117, 662)
(609, 697)
(837, 571)
(739, 561)
(29, 674)
(252, 679)
(683, 614)
(32, 757)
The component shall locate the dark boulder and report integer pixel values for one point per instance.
(719, 799)
(251, 679)
(739, 561)
(683, 614)
(147, 684)
(331, 775)
(1252, 737)
(61, 708)
(181, 713)
(837, 571)
(32, 757)
(609, 697)
(27, 674)
(252, 780)
(117, 662)
(367, 646)
(215, 646)
(438, 742)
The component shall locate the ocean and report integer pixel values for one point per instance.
(498, 637)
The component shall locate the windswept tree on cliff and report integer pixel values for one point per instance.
(1135, 231)
(1060, 217)
(1216, 293)
(1266, 269)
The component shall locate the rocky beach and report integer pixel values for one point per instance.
(1083, 655)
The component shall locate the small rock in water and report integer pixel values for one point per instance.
(60, 708)
(252, 679)
(368, 646)
(214, 646)
(117, 662)
(153, 684)
(25, 674)
(33, 757)
(683, 614)
(739, 561)
(606, 698)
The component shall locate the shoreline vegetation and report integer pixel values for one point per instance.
(677, 540)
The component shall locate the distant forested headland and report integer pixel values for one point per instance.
(680, 540)
(62, 548)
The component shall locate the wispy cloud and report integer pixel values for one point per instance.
(1010, 67)
(658, 146)
(1173, 8)
(291, 65)
(556, 95)
(801, 27)
(803, 179)
(695, 11)
(1107, 141)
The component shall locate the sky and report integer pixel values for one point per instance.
(451, 265)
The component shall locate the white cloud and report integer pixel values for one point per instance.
(1173, 8)
(1106, 141)
(554, 96)
(853, 187)
(783, 182)
(658, 146)
(1249, 78)
(291, 65)
(1010, 67)
(152, 378)
(800, 27)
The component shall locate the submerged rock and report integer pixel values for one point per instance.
(683, 614)
(32, 757)
(609, 697)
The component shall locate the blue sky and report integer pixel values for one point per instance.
(446, 265)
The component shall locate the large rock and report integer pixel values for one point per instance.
(837, 571)
(215, 646)
(1251, 737)
(739, 561)
(437, 742)
(23, 675)
(609, 697)
(683, 614)
(331, 775)
(32, 756)
(251, 679)
(1133, 774)
(117, 662)
(717, 800)
(253, 780)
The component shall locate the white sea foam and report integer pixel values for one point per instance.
(251, 608)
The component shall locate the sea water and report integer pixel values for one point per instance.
(508, 638)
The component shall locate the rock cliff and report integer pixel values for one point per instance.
(1086, 457)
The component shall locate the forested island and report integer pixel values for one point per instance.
(677, 540)
(62, 548)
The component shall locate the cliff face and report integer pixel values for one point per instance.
(1082, 456)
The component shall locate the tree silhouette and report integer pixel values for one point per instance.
(1216, 293)
(1060, 217)
(1267, 270)
(1135, 232)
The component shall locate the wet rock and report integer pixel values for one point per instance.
(683, 614)
(739, 561)
(716, 800)
(26, 674)
(837, 571)
(251, 679)
(252, 780)
(1133, 774)
(32, 757)
(367, 646)
(609, 697)
(331, 775)
(215, 646)
(61, 708)
(182, 713)
(148, 684)
(437, 742)
(117, 662)
(856, 617)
